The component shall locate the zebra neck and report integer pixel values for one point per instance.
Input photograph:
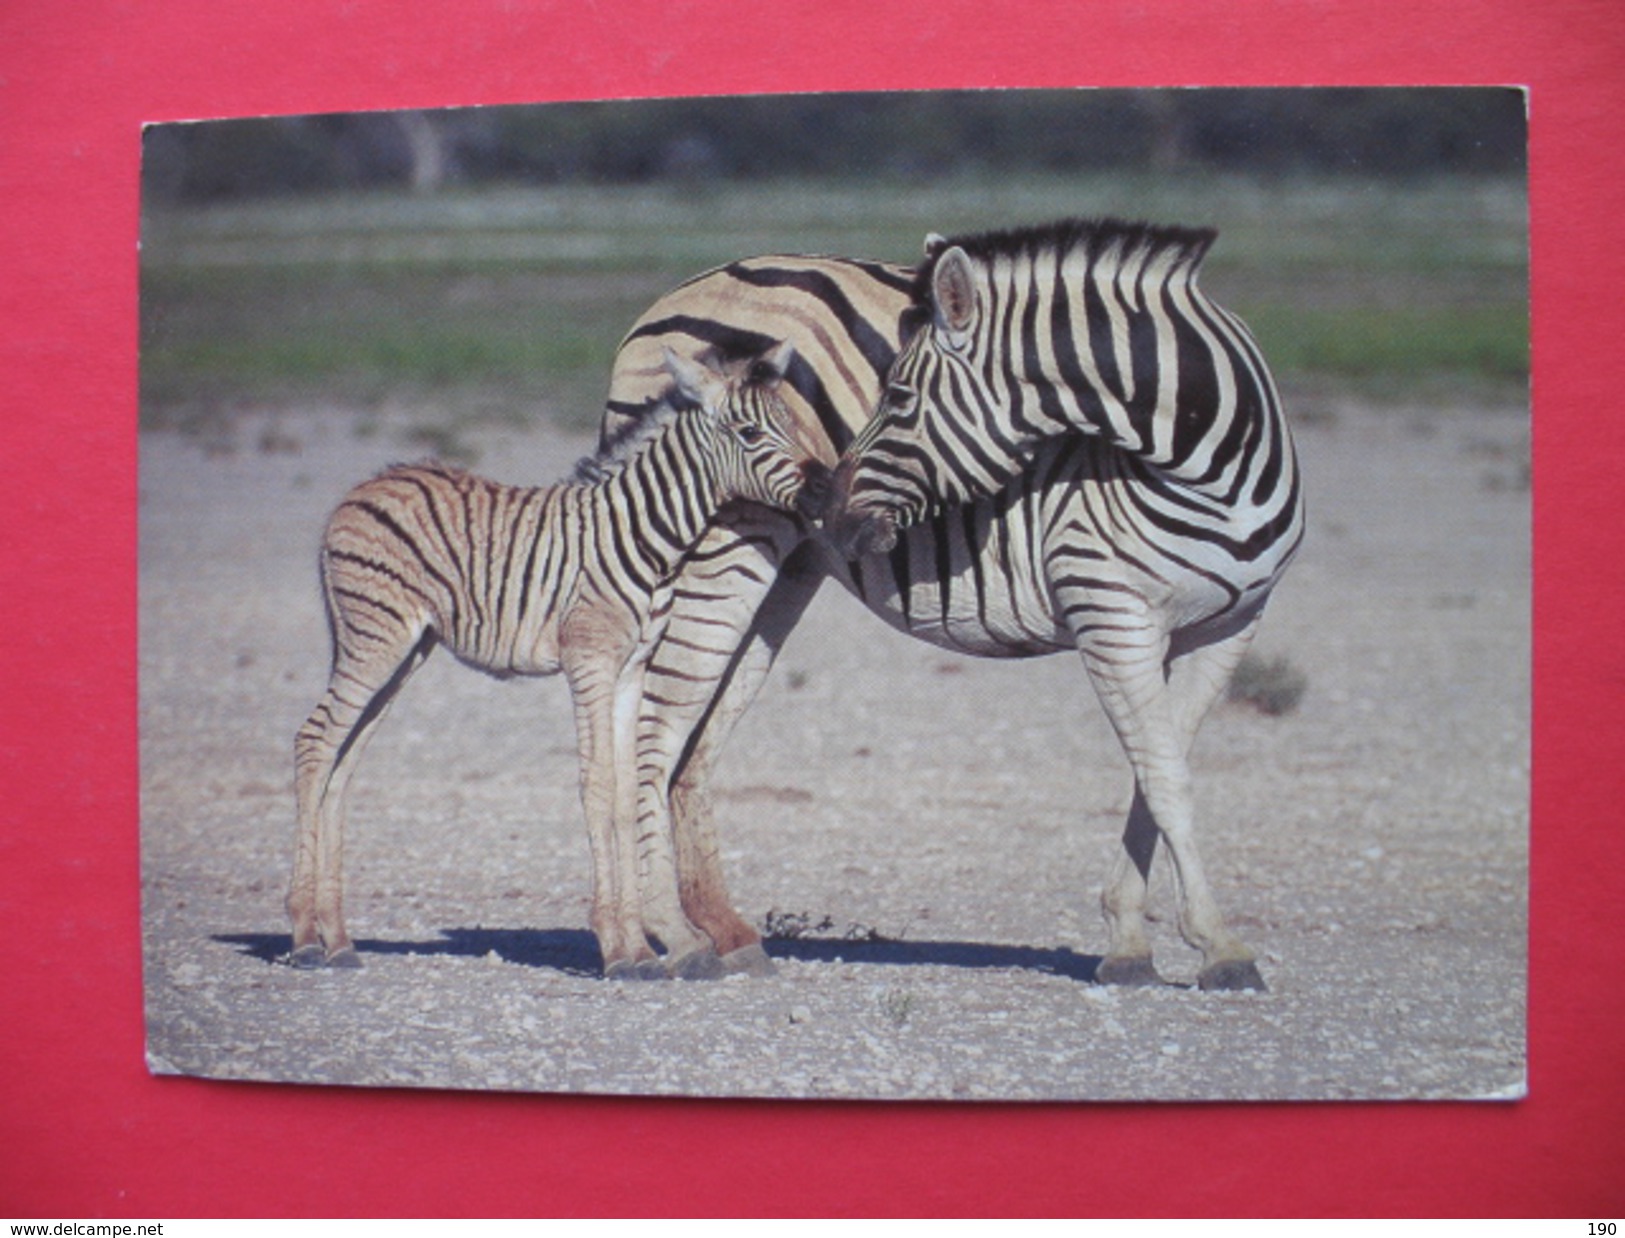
(1139, 356)
(665, 496)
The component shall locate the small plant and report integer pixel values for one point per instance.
(897, 1005)
(274, 440)
(862, 932)
(788, 925)
(1272, 686)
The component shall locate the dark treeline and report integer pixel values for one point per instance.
(1375, 132)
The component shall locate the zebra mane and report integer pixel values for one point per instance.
(454, 473)
(627, 443)
(1092, 236)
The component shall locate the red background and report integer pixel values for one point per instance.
(84, 1131)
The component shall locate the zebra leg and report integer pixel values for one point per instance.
(1155, 722)
(733, 613)
(593, 675)
(645, 849)
(608, 692)
(1195, 680)
(704, 890)
(327, 751)
(1128, 953)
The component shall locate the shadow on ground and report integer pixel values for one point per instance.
(575, 951)
(970, 954)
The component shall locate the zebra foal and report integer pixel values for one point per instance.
(575, 578)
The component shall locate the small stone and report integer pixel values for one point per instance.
(800, 1014)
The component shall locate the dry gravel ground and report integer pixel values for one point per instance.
(939, 827)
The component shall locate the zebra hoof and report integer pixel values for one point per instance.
(642, 969)
(1231, 976)
(308, 958)
(701, 965)
(346, 958)
(749, 960)
(1134, 971)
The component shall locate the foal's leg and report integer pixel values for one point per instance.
(644, 850)
(593, 675)
(606, 674)
(327, 750)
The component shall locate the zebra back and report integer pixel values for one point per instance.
(843, 316)
(487, 568)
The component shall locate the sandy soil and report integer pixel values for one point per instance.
(937, 827)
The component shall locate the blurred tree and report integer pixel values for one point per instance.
(1372, 131)
(427, 140)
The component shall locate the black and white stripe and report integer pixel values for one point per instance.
(577, 577)
(1095, 327)
(1136, 499)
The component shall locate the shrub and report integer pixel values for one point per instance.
(1272, 686)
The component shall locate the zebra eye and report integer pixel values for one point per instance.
(901, 397)
(748, 434)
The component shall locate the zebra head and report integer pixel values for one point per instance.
(1083, 325)
(927, 443)
(752, 443)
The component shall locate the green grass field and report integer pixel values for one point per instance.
(509, 304)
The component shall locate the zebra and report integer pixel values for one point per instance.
(1000, 576)
(1192, 507)
(577, 577)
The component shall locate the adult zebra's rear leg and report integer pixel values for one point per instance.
(327, 750)
(1156, 701)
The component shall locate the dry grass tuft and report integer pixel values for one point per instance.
(1272, 686)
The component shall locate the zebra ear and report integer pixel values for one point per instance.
(697, 381)
(953, 295)
(935, 243)
(774, 364)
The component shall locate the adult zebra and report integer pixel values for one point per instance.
(1044, 559)
(1191, 511)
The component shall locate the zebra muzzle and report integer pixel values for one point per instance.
(817, 489)
(855, 532)
(871, 534)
